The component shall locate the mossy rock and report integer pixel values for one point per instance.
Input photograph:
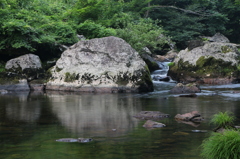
(152, 65)
(206, 67)
(215, 67)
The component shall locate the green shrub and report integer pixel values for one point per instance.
(224, 145)
(144, 33)
(92, 30)
(223, 120)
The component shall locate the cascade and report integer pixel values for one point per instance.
(161, 81)
(161, 74)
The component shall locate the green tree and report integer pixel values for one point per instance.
(187, 19)
(26, 27)
(143, 33)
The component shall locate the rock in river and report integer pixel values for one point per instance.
(188, 88)
(106, 64)
(216, 61)
(192, 116)
(82, 140)
(151, 115)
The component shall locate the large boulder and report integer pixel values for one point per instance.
(26, 66)
(28, 61)
(100, 65)
(212, 63)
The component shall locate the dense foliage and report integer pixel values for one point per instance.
(41, 26)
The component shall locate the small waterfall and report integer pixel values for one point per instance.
(161, 81)
(161, 74)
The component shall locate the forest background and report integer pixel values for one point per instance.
(42, 26)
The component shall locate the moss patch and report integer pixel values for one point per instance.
(205, 67)
(226, 49)
(69, 77)
(215, 67)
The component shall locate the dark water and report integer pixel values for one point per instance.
(31, 122)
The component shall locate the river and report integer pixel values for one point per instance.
(31, 122)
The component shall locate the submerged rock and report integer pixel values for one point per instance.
(153, 124)
(151, 115)
(81, 140)
(194, 124)
(100, 65)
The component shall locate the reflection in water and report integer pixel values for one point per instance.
(95, 114)
(23, 109)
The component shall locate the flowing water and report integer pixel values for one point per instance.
(30, 123)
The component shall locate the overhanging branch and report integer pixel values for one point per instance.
(176, 8)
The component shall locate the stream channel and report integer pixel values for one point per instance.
(31, 122)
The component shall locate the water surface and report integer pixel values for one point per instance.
(31, 122)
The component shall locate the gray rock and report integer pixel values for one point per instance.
(218, 37)
(100, 65)
(28, 61)
(151, 115)
(227, 52)
(188, 88)
(213, 63)
(150, 61)
(194, 116)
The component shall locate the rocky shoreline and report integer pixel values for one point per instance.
(111, 65)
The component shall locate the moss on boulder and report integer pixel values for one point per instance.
(204, 62)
